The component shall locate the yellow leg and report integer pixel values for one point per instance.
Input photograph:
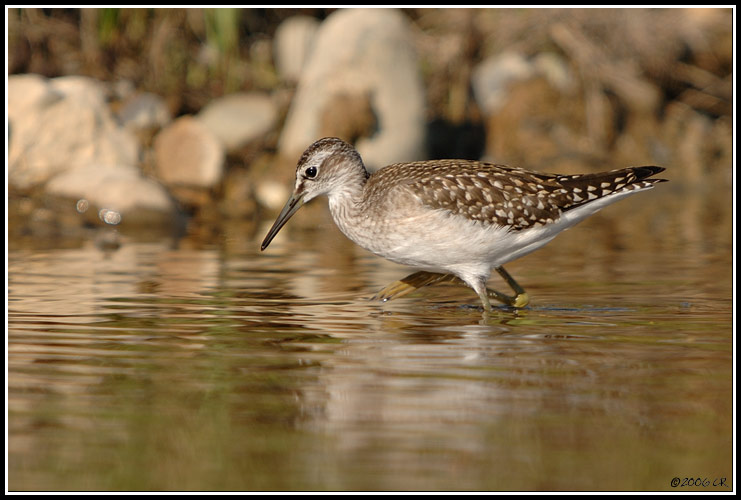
(521, 299)
(413, 282)
(424, 278)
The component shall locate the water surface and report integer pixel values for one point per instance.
(161, 366)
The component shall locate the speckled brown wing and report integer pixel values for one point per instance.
(585, 188)
(505, 196)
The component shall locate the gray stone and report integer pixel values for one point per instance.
(362, 52)
(237, 119)
(144, 111)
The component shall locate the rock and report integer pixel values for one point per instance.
(61, 124)
(556, 71)
(292, 45)
(493, 77)
(239, 118)
(361, 52)
(189, 160)
(144, 111)
(187, 153)
(117, 193)
(271, 194)
(28, 92)
(81, 88)
(347, 115)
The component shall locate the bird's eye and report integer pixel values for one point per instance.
(310, 172)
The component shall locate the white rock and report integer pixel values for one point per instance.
(356, 52)
(28, 92)
(292, 45)
(239, 118)
(272, 194)
(82, 88)
(493, 76)
(555, 69)
(61, 124)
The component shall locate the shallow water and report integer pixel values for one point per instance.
(158, 367)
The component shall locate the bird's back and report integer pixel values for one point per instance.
(499, 195)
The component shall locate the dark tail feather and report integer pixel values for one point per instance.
(647, 171)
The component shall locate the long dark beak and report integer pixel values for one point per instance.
(292, 205)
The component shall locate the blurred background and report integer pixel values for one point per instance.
(183, 122)
(152, 346)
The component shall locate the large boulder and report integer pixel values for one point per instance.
(60, 124)
(293, 42)
(361, 54)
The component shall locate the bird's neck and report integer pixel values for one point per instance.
(346, 199)
(349, 188)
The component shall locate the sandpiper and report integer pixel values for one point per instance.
(454, 219)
